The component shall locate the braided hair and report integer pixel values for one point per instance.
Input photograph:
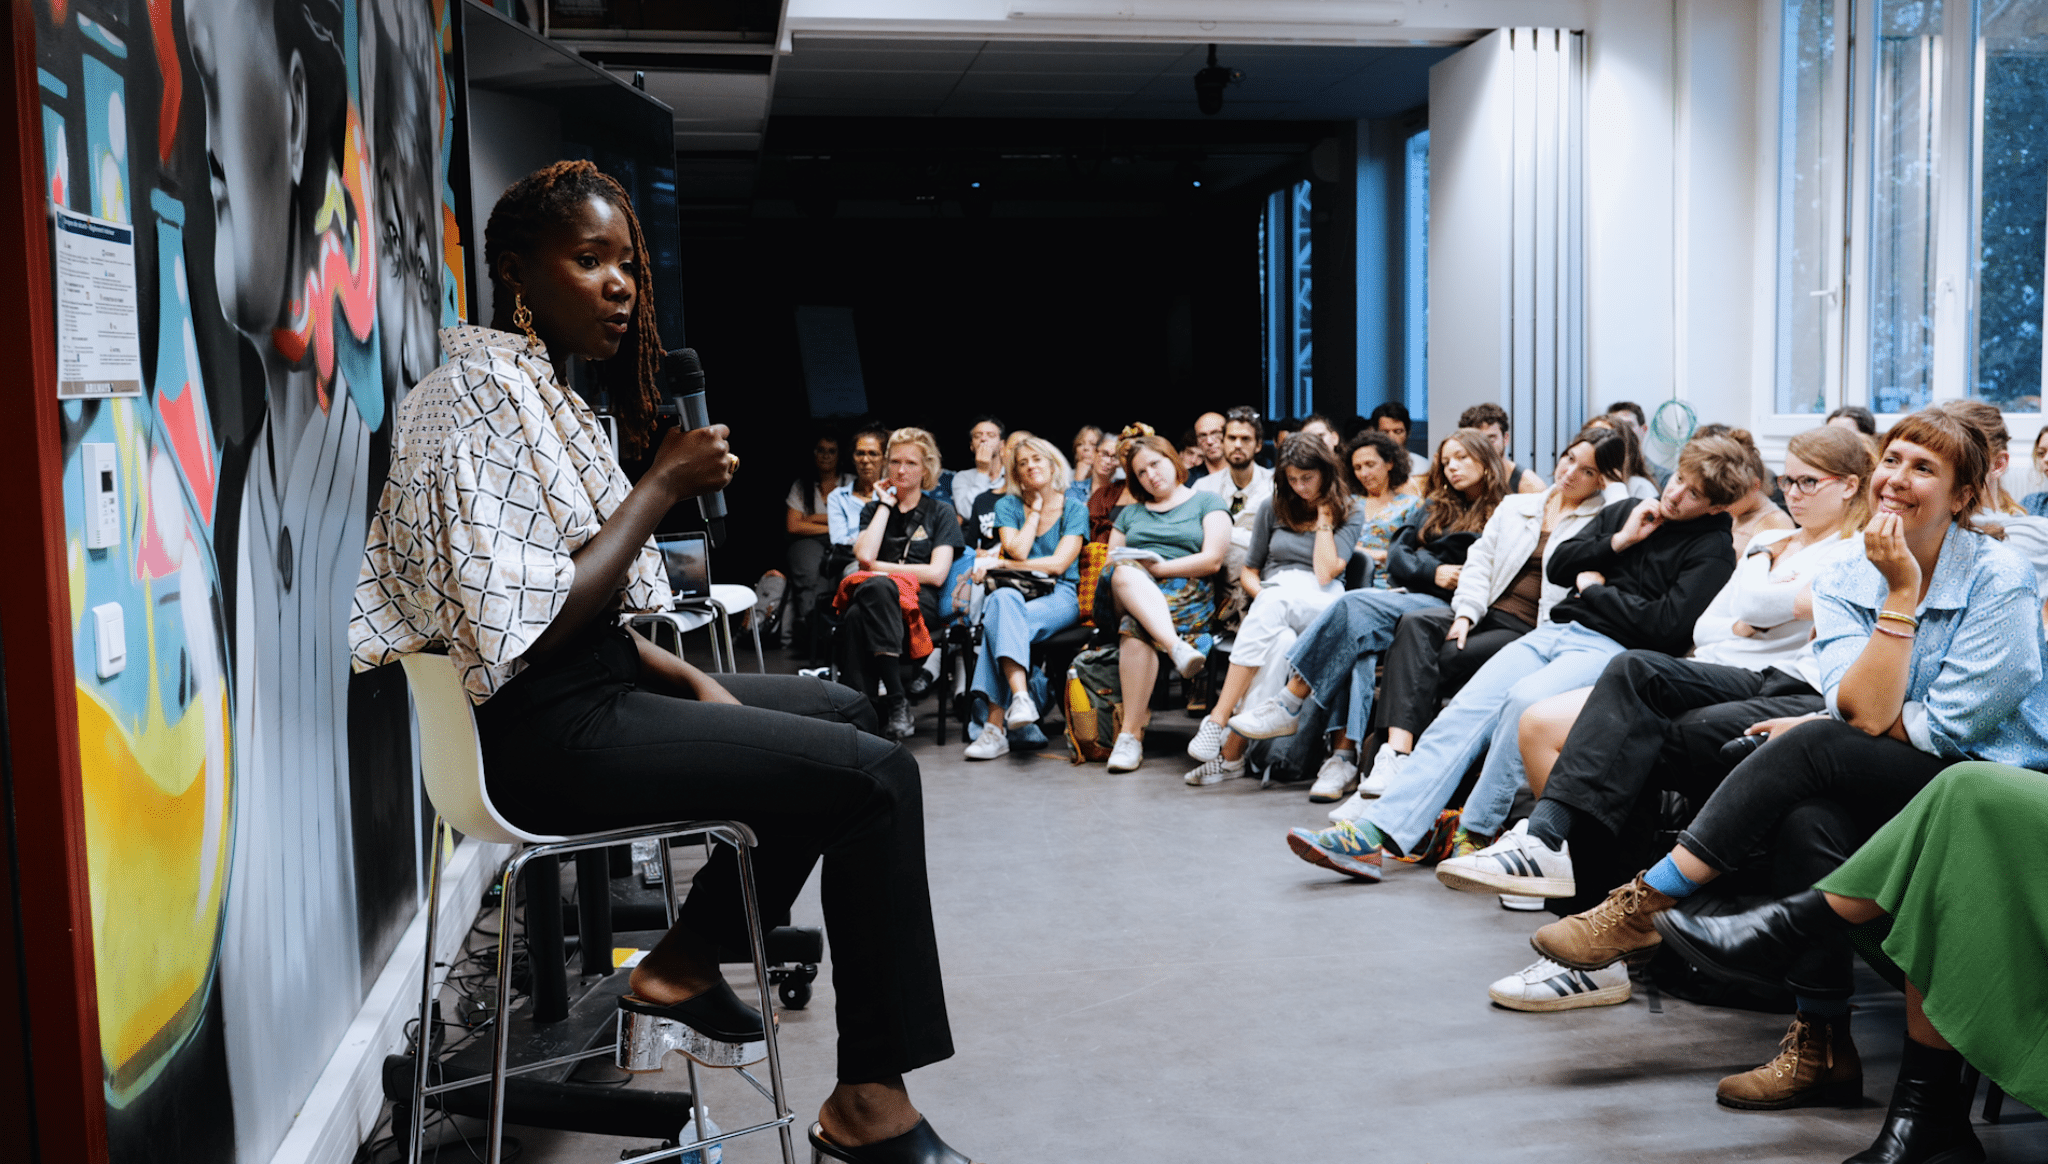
(539, 201)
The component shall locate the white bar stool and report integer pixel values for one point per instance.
(451, 764)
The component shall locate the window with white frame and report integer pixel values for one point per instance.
(1912, 208)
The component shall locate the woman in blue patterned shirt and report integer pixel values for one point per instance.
(1380, 468)
(1930, 652)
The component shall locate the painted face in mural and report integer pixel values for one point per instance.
(255, 147)
(404, 124)
(580, 282)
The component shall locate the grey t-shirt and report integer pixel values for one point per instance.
(1275, 547)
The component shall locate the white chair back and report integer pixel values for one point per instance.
(451, 759)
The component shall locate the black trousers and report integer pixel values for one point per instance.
(1422, 670)
(1805, 801)
(872, 634)
(573, 745)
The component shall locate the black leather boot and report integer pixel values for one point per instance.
(1755, 946)
(1929, 1120)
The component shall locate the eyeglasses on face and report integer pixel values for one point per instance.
(1802, 485)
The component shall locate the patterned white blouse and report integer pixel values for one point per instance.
(498, 475)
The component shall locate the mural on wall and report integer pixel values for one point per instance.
(285, 169)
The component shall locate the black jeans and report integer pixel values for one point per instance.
(1422, 669)
(873, 638)
(1654, 724)
(1806, 801)
(573, 745)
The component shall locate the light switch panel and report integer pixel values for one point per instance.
(102, 494)
(110, 636)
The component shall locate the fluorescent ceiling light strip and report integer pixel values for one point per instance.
(1268, 12)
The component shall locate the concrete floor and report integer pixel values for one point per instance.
(1141, 971)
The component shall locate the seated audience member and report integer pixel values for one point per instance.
(1335, 660)
(985, 440)
(2036, 504)
(1599, 757)
(1323, 429)
(1209, 443)
(2025, 534)
(978, 525)
(1756, 512)
(1293, 571)
(1085, 443)
(1190, 454)
(1110, 492)
(905, 533)
(1492, 420)
(1040, 529)
(1379, 468)
(844, 506)
(1631, 414)
(1243, 484)
(1855, 418)
(1960, 874)
(1640, 574)
(1502, 595)
(1392, 418)
(808, 521)
(1165, 599)
(1641, 484)
(1930, 652)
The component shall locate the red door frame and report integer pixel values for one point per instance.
(55, 908)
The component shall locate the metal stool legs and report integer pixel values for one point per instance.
(741, 838)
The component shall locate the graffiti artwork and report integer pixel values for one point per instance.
(284, 168)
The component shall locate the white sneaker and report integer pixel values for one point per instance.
(1215, 771)
(1265, 722)
(1128, 753)
(1517, 864)
(1334, 779)
(1549, 986)
(993, 741)
(1386, 764)
(1510, 901)
(1208, 741)
(1022, 710)
(1352, 809)
(1187, 660)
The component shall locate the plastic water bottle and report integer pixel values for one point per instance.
(715, 1154)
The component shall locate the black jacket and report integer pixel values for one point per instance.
(1656, 589)
(1412, 562)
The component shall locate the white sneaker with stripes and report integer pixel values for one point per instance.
(1547, 986)
(1517, 864)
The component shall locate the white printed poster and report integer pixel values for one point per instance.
(99, 324)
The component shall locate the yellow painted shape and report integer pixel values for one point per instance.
(620, 954)
(153, 938)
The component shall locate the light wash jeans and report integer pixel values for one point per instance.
(1338, 655)
(1009, 625)
(1550, 660)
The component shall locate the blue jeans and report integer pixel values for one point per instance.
(1338, 655)
(1550, 660)
(1009, 625)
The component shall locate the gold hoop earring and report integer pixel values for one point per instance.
(522, 318)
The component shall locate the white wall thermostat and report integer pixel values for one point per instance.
(110, 636)
(102, 495)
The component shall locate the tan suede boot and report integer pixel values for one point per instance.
(1816, 1064)
(1616, 929)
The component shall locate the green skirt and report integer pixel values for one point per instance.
(1963, 871)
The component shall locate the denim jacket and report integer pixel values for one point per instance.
(1975, 690)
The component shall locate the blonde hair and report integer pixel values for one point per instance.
(1835, 450)
(1062, 472)
(927, 447)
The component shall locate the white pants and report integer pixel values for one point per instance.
(1285, 607)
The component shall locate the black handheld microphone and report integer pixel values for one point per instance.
(684, 378)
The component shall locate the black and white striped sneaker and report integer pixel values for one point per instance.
(1549, 986)
(1516, 864)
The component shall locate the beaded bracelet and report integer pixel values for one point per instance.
(1895, 616)
(1882, 629)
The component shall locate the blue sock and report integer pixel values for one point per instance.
(1665, 878)
(1822, 1007)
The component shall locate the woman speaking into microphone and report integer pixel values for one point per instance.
(508, 533)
